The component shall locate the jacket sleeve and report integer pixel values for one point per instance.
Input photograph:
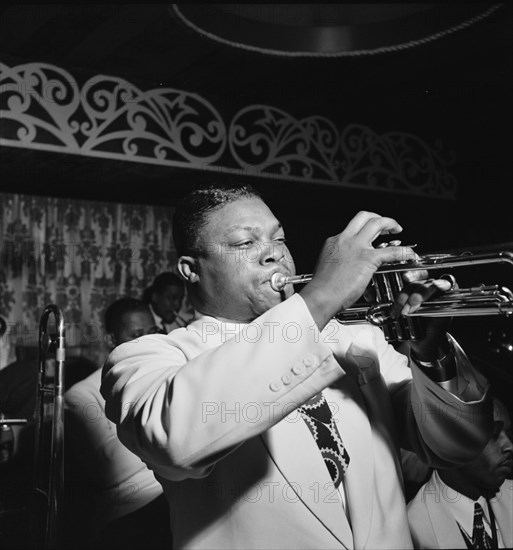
(181, 410)
(105, 460)
(444, 429)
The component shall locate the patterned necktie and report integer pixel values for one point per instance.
(480, 538)
(317, 415)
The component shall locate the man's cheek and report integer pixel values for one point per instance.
(250, 255)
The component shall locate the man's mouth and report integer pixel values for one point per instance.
(269, 279)
(507, 463)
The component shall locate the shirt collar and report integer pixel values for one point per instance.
(461, 506)
(160, 323)
(157, 318)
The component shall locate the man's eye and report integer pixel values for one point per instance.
(244, 244)
(497, 429)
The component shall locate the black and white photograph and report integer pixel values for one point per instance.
(256, 276)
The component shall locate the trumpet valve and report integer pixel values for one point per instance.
(379, 315)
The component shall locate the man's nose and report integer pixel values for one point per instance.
(271, 252)
(506, 443)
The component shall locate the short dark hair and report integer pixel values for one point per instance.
(191, 212)
(114, 313)
(161, 282)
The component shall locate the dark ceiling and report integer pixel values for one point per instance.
(461, 75)
(149, 46)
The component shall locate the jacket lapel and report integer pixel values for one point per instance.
(445, 527)
(503, 510)
(296, 455)
(348, 409)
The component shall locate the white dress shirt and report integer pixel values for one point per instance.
(462, 509)
(179, 321)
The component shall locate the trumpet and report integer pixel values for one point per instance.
(473, 301)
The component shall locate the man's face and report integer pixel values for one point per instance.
(168, 303)
(495, 464)
(241, 246)
(134, 325)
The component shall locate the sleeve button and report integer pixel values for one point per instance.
(286, 379)
(298, 369)
(310, 361)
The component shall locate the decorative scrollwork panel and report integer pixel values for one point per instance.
(44, 107)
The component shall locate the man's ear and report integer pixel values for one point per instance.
(110, 340)
(188, 268)
(154, 298)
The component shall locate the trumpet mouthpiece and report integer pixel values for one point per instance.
(278, 281)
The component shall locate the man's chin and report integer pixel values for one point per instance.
(490, 492)
(270, 301)
(279, 297)
(282, 295)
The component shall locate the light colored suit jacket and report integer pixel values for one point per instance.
(433, 525)
(121, 482)
(211, 409)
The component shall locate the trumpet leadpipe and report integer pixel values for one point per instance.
(427, 262)
(279, 280)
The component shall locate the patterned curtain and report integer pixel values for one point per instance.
(80, 255)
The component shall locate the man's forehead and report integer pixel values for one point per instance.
(173, 290)
(248, 227)
(242, 214)
(136, 317)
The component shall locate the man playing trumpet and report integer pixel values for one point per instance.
(268, 423)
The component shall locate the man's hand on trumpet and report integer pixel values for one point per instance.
(418, 289)
(347, 263)
(345, 268)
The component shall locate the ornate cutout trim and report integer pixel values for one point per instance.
(43, 107)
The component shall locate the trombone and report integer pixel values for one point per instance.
(473, 301)
(48, 479)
